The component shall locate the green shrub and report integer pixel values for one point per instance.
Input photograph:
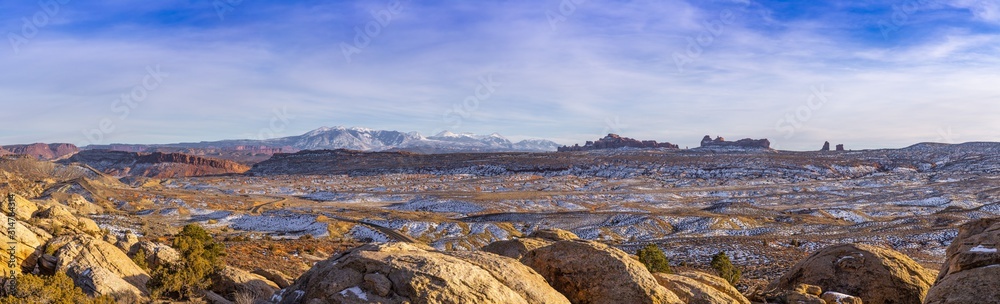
(201, 257)
(140, 260)
(654, 259)
(726, 270)
(57, 288)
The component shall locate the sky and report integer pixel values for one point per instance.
(867, 74)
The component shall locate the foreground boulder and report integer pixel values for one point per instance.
(873, 274)
(516, 248)
(88, 259)
(403, 272)
(278, 277)
(554, 234)
(695, 287)
(29, 242)
(156, 254)
(59, 219)
(972, 272)
(23, 208)
(231, 282)
(591, 272)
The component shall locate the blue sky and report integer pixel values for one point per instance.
(867, 74)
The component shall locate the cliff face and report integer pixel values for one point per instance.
(42, 151)
(746, 143)
(157, 164)
(614, 141)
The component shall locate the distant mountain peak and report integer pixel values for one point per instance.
(446, 133)
(366, 139)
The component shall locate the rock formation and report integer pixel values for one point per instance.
(98, 264)
(156, 254)
(29, 242)
(554, 234)
(404, 272)
(278, 277)
(157, 165)
(516, 248)
(591, 272)
(43, 151)
(695, 287)
(874, 274)
(826, 146)
(231, 281)
(614, 141)
(746, 143)
(971, 273)
(840, 147)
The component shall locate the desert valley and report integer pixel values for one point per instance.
(281, 210)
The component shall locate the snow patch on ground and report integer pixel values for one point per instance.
(435, 205)
(982, 249)
(356, 291)
(281, 224)
(363, 233)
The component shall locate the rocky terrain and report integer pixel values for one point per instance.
(360, 139)
(708, 143)
(615, 141)
(41, 151)
(802, 226)
(154, 165)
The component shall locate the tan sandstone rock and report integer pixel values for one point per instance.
(23, 208)
(28, 248)
(591, 272)
(56, 217)
(697, 288)
(554, 234)
(82, 252)
(278, 277)
(971, 273)
(839, 298)
(156, 254)
(231, 281)
(522, 279)
(874, 274)
(516, 248)
(407, 273)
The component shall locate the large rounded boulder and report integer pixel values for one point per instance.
(97, 266)
(972, 272)
(873, 274)
(591, 272)
(516, 248)
(409, 273)
(695, 287)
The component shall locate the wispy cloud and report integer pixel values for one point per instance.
(608, 60)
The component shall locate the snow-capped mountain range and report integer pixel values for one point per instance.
(365, 139)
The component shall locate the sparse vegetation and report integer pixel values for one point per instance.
(58, 288)
(725, 268)
(201, 256)
(654, 259)
(140, 260)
